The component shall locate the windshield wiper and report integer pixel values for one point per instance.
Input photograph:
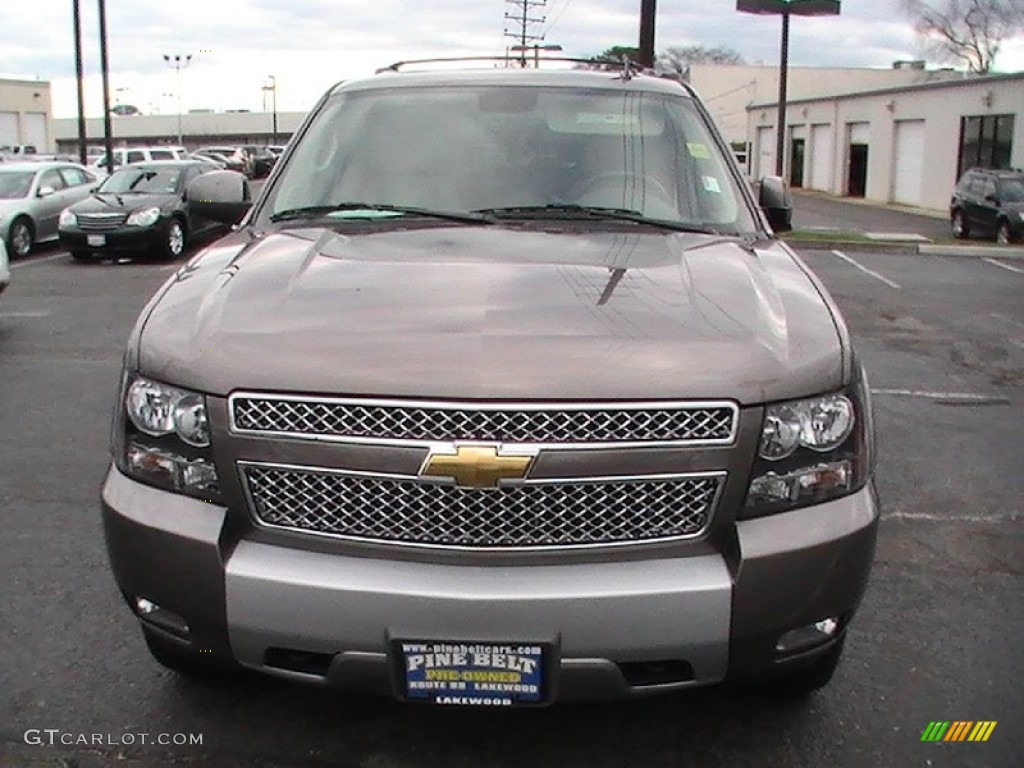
(317, 211)
(575, 211)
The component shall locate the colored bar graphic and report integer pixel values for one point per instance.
(982, 730)
(958, 730)
(935, 730)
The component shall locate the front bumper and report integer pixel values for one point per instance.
(717, 615)
(118, 242)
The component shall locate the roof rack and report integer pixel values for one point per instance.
(626, 66)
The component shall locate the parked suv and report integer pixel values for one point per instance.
(503, 391)
(989, 202)
(128, 155)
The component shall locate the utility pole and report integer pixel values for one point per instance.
(108, 138)
(77, 16)
(522, 25)
(271, 87)
(648, 10)
(178, 61)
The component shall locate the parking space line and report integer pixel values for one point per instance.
(995, 263)
(35, 313)
(41, 260)
(931, 517)
(865, 270)
(949, 397)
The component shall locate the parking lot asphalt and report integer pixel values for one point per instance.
(817, 211)
(937, 638)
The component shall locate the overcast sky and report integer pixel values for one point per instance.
(307, 45)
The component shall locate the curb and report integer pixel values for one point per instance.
(924, 249)
(852, 245)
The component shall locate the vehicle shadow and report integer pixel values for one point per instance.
(300, 726)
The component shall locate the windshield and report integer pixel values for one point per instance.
(150, 181)
(497, 148)
(1011, 190)
(15, 184)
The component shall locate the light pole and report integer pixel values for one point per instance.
(271, 88)
(536, 48)
(178, 61)
(786, 8)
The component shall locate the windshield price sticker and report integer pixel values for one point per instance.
(472, 674)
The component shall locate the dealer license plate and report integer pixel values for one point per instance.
(472, 674)
(96, 241)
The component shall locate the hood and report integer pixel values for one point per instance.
(108, 202)
(496, 313)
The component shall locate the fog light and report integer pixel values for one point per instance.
(168, 621)
(165, 468)
(803, 485)
(807, 637)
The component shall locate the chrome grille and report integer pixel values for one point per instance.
(513, 423)
(101, 222)
(555, 515)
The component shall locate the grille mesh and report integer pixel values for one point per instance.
(511, 425)
(549, 515)
(106, 222)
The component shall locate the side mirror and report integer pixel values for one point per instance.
(45, 191)
(775, 201)
(222, 196)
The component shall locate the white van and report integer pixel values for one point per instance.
(126, 155)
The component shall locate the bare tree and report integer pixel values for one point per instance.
(966, 31)
(679, 58)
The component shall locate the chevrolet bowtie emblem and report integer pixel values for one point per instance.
(476, 466)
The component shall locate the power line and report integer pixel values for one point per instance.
(557, 17)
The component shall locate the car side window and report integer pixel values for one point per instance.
(161, 154)
(975, 186)
(136, 156)
(988, 188)
(52, 179)
(74, 177)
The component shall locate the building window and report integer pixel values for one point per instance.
(986, 141)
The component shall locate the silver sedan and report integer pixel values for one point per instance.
(32, 195)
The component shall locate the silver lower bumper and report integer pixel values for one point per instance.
(597, 614)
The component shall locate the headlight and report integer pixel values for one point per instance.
(161, 437)
(158, 409)
(144, 218)
(812, 451)
(67, 218)
(821, 424)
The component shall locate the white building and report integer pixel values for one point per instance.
(25, 114)
(728, 89)
(905, 144)
(198, 129)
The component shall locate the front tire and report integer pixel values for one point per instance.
(20, 237)
(1003, 234)
(959, 226)
(174, 240)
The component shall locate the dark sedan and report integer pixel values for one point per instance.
(139, 209)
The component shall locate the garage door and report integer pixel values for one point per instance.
(34, 124)
(821, 157)
(909, 163)
(9, 128)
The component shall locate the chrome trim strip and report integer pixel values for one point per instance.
(631, 479)
(455, 405)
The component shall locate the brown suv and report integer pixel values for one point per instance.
(502, 391)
